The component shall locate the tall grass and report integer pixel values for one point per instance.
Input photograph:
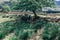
(23, 30)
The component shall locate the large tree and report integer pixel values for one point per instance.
(33, 5)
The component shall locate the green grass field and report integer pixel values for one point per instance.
(47, 32)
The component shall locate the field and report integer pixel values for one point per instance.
(49, 30)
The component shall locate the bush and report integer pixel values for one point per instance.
(23, 25)
(7, 16)
(1, 35)
(7, 27)
(26, 18)
(4, 16)
(23, 35)
(50, 31)
(11, 17)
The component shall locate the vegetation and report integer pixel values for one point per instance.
(25, 26)
(33, 5)
(23, 30)
(13, 38)
(6, 28)
(50, 31)
(6, 8)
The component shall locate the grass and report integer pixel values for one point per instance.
(20, 28)
(25, 30)
(50, 31)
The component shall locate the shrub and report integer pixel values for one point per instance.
(23, 25)
(26, 18)
(5, 16)
(11, 17)
(50, 32)
(7, 27)
(1, 35)
(23, 35)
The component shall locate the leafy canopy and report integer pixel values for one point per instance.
(33, 5)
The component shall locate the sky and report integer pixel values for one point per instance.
(6, 0)
(57, 0)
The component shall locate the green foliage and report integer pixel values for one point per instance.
(23, 35)
(26, 18)
(23, 30)
(1, 35)
(34, 5)
(6, 28)
(40, 23)
(4, 16)
(6, 8)
(9, 25)
(50, 31)
(13, 3)
(13, 38)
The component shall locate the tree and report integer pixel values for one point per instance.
(13, 3)
(33, 5)
(6, 8)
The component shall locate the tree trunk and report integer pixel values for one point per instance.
(35, 15)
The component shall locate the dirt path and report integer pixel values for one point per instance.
(8, 36)
(5, 19)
